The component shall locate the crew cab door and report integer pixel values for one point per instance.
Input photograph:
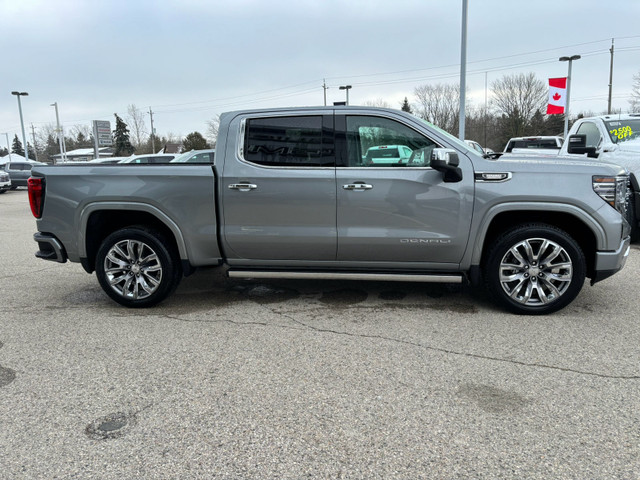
(278, 189)
(400, 210)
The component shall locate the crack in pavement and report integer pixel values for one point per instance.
(406, 342)
(455, 352)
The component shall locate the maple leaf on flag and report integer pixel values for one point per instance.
(556, 97)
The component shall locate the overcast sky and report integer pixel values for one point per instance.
(192, 59)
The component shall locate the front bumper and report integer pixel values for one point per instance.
(609, 263)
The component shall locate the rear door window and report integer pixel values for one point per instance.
(297, 141)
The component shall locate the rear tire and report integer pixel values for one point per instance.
(535, 269)
(138, 267)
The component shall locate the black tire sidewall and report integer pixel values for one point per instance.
(516, 235)
(171, 272)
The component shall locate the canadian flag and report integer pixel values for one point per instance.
(557, 95)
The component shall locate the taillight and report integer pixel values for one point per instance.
(36, 195)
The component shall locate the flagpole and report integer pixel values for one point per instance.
(566, 109)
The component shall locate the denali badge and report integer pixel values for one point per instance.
(432, 241)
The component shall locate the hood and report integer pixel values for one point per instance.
(553, 163)
(626, 154)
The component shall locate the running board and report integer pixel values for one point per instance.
(380, 277)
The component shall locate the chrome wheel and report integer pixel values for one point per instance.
(535, 272)
(133, 269)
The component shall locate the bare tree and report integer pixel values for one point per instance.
(439, 104)
(138, 128)
(378, 102)
(517, 98)
(634, 102)
(212, 130)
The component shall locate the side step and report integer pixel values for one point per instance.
(380, 277)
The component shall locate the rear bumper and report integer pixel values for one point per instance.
(609, 263)
(50, 247)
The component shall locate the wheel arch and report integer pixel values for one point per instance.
(97, 221)
(586, 233)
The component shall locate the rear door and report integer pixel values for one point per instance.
(278, 189)
(402, 211)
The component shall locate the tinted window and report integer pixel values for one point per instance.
(288, 142)
(381, 142)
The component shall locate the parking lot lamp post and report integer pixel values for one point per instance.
(347, 88)
(60, 134)
(566, 108)
(8, 146)
(24, 137)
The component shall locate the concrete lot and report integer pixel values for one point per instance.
(289, 380)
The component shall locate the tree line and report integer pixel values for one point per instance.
(517, 108)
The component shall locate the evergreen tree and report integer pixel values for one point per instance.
(122, 145)
(16, 147)
(4, 152)
(405, 106)
(194, 141)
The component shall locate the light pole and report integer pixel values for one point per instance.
(6, 135)
(24, 137)
(347, 88)
(566, 108)
(60, 133)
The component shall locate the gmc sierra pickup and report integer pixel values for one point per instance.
(292, 195)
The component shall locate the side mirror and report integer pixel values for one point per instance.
(578, 145)
(446, 161)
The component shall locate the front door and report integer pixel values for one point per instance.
(397, 209)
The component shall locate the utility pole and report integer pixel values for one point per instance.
(485, 110)
(463, 68)
(610, 78)
(35, 147)
(325, 88)
(153, 133)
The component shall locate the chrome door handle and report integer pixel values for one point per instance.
(358, 187)
(243, 187)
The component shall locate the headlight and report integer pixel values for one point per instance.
(613, 190)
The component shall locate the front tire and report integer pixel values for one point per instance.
(535, 269)
(137, 267)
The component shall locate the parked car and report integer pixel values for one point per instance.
(476, 146)
(5, 181)
(150, 158)
(614, 139)
(384, 155)
(19, 172)
(106, 160)
(196, 156)
(538, 144)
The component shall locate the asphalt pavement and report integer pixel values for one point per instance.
(289, 380)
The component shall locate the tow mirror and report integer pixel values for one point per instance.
(446, 160)
(578, 145)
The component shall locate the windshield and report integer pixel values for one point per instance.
(623, 130)
(456, 141)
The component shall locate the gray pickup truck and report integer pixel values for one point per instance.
(291, 195)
